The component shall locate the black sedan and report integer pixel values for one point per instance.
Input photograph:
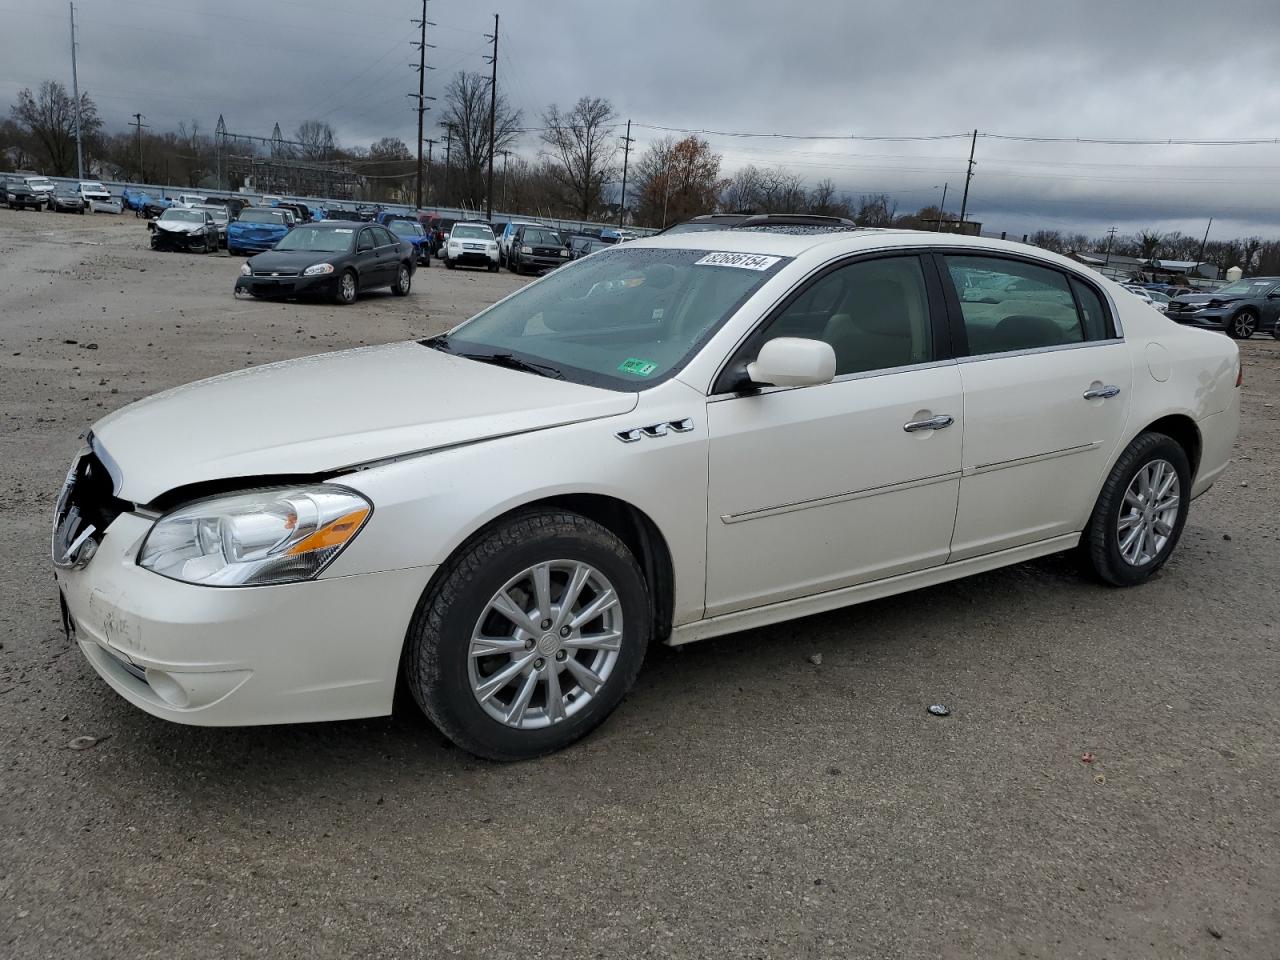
(330, 258)
(21, 196)
(184, 230)
(1241, 308)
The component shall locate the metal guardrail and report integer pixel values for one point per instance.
(455, 213)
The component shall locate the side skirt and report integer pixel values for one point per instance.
(862, 592)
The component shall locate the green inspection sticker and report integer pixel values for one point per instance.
(641, 368)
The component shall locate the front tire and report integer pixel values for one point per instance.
(346, 292)
(1140, 512)
(403, 282)
(530, 636)
(1242, 325)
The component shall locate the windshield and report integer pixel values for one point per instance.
(542, 238)
(218, 213)
(93, 187)
(404, 228)
(624, 319)
(184, 216)
(1244, 288)
(318, 239)
(471, 233)
(39, 182)
(262, 216)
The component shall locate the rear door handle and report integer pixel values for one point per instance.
(933, 423)
(1101, 393)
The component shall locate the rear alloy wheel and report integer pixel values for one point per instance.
(403, 281)
(346, 293)
(530, 636)
(1140, 512)
(1243, 325)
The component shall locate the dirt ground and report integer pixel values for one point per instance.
(745, 801)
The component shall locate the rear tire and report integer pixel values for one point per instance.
(543, 706)
(1134, 526)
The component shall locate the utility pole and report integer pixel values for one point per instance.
(1200, 258)
(448, 153)
(220, 140)
(422, 97)
(942, 209)
(75, 92)
(430, 144)
(964, 204)
(1111, 234)
(626, 155)
(493, 117)
(138, 125)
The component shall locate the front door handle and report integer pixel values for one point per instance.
(933, 423)
(1101, 393)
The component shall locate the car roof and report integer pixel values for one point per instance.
(772, 243)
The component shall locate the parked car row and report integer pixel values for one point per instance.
(1240, 309)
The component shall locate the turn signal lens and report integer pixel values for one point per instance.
(333, 534)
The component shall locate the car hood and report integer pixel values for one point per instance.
(297, 260)
(320, 414)
(1200, 299)
(178, 226)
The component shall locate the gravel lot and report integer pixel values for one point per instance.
(749, 799)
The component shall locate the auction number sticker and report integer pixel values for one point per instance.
(641, 368)
(743, 261)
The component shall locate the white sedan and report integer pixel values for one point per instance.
(676, 438)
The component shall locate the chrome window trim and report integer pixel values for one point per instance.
(843, 378)
(1029, 351)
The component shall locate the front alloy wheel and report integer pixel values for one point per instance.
(346, 294)
(545, 644)
(1243, 325)
(529, 637)
(403, 280)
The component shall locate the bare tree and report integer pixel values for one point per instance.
(1149, 243)
(582, 149)
(49, 121)
(316, 140)
(875, 210)
(466, 114)
(1051, 240)
(741, 192)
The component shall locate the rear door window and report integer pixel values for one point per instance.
(1009, 305)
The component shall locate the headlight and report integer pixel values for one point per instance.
(526, 249)
(564, 253)
(492, 245)
(281, 535)
(316, 269)
(245, 269)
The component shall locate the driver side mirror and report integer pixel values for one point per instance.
(793, 362)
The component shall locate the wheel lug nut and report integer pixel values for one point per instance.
(546, 624)
(565, 631)
(539, 664)
(560, 654)
(528, 644)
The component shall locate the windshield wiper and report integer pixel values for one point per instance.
(439, 342)
(512, 362)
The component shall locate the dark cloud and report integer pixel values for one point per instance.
(1086, 68)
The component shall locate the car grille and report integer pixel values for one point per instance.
(275, 273)
(86, 506)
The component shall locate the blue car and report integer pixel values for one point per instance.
(257, 229)
(141, 202)
(414, 233)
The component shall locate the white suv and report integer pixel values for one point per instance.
(471, 245)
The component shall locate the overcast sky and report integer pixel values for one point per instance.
(914, 68)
